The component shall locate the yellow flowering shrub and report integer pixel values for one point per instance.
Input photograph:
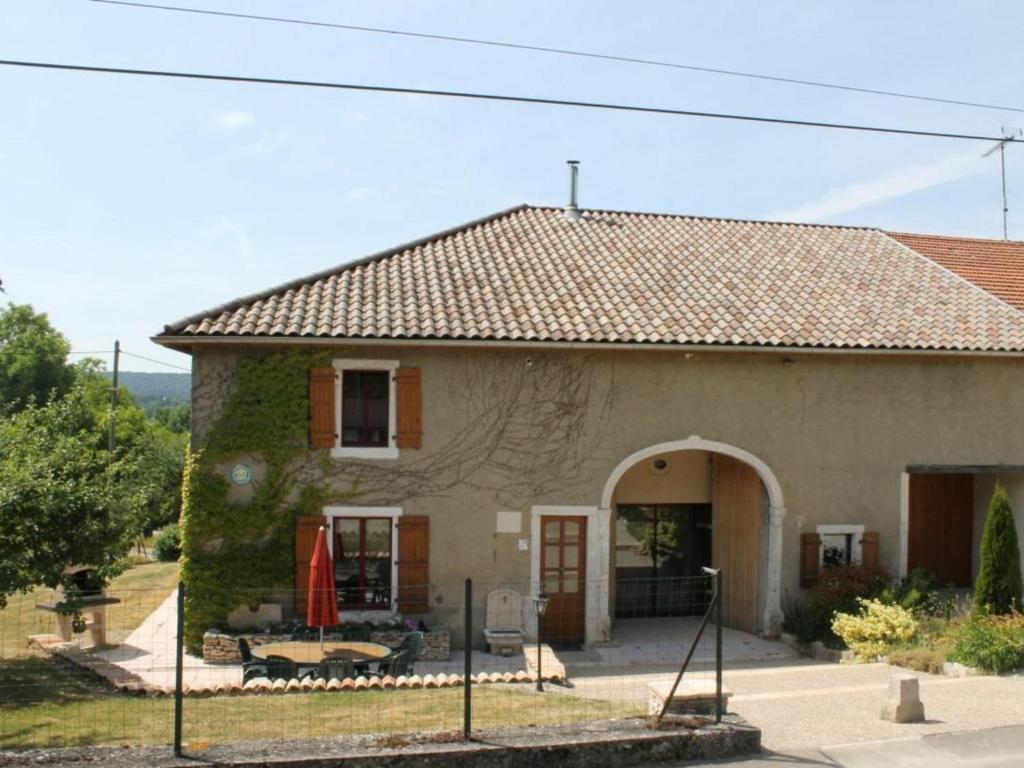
(875, 629)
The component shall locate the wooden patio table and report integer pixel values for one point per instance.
(308, 652)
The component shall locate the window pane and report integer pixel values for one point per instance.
(572, 532)
(551, 582)
(570, 582)
(551, 556)
(364, 408)
(551, 532)
(378, 562)
(346, 561)
(570, 556)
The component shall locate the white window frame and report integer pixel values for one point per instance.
(856, 551)
(390, 451)
(363, 512)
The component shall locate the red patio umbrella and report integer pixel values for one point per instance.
(322, 606)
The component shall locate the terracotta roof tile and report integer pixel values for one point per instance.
(995, 265)
(528, 274)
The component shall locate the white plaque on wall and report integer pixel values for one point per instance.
(510, 522)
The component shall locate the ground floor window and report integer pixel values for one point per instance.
(660, 550)
(362, 562)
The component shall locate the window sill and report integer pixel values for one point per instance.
(352, 452)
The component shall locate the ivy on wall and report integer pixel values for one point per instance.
(527, 429)
(236, 553)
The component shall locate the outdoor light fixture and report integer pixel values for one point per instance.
(540, 607)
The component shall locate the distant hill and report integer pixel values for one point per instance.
(153, 390)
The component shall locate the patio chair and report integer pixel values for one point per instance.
(396, 664)
(281, 668)
(411, 646)
(251, 667)
(335, 669)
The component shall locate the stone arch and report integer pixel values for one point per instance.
(772, 617)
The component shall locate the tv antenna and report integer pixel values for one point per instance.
(1010, 136)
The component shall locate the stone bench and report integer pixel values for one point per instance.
(691, 697)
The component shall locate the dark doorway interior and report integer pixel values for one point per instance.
(660, 549)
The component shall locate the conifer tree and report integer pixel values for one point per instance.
(998, 586)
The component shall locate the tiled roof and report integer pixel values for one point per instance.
(528, 274)
(995, 265)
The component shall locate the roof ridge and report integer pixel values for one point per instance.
(993, 240)
(703, 217)
(321, 274)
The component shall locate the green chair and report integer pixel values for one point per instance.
(394, 665)
(410, 648)
(251, 666)
(281, 668)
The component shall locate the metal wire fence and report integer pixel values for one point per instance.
(478, 665)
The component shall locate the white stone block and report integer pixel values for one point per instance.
(904, 704)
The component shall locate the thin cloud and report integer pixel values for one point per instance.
(269, 142)
(891, 184)
(232, 120)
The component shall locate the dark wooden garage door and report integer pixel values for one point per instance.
(940, 536)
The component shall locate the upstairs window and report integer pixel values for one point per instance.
(365, 405)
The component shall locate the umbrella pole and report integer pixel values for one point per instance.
(321, 639)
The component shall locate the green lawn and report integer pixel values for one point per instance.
(44, 702)
(42, 698)
(110, 719)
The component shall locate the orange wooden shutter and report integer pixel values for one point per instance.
(413, 556)
(306, 528)
(410, 408)
(869, 557)
(810, 546)
(321, 408)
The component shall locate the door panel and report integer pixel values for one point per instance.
(563, 578)
(736, 539)
(940, 535)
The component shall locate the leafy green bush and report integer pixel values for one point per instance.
(916, 592)
(998, 586)
(991, 643)
(875, 629)
(837, 591)
(167, 544)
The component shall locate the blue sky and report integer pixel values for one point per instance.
(126, 203)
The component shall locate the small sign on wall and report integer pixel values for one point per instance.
(524, 545)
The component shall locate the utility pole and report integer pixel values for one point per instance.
(112, 443)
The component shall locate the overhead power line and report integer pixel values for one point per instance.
(566, 52)
(158, 362)
(358, 87)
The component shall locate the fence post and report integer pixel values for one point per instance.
(467, 688)
(178, 663)
(718, 646)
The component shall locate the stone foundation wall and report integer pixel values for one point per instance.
(221, 648)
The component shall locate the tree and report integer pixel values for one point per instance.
(175, 417)
(32, 359)
(57, 503)
(998, 586)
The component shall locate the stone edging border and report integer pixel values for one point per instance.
(128, 682)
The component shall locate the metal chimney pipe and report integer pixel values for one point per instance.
(572, 212)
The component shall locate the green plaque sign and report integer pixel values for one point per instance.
(241, 474)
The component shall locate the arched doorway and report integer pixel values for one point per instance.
(675, 506)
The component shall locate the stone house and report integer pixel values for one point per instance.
(532, 399)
